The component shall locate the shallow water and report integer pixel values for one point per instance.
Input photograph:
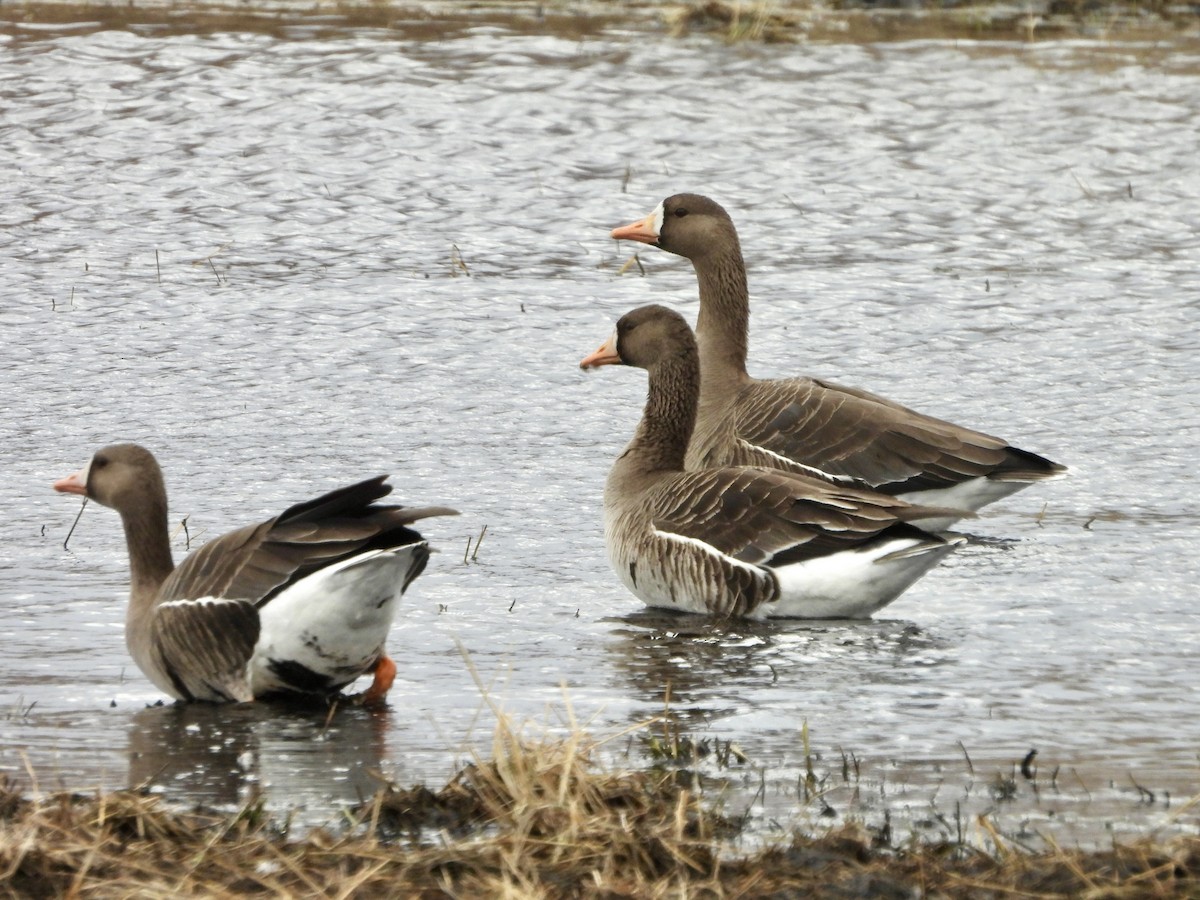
(288, 264)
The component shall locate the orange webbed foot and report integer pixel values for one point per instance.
(376, 694)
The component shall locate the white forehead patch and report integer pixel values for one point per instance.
(657, 218)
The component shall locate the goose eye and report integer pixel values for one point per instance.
(99, 462)
(680, 212)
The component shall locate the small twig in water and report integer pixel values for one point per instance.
(633, 260)
(329, 718)
(73, 524)
(810, 777)
(1082, 785)
(967, 757)
(213, 266)
(628, 175)
(457, 259)
(183, 526)
(1087, 192)
(157, 265)
(1027, 769)
(1147, 795)
(478, 541)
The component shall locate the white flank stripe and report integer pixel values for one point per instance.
(706, 548)
(788, 462)
(202, 601)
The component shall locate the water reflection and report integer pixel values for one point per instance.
(227, 756)
(705, 670)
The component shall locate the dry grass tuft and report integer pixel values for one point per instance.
(537, 819)
(863, 21)
(544, 814)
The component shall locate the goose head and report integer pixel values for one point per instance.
(687, 225)
(120, 476)
(644, 338)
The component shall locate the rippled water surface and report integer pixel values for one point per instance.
(285, 264)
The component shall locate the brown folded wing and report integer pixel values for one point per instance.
(768, 517)
(848, 433)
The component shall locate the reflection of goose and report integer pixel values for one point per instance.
(195, 753)
(299, 603)
(805, 425)
(288, 755)
(692, 663)
(741, 540)
(705, 669)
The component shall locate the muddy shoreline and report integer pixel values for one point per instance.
(539, 819)
(786, 21)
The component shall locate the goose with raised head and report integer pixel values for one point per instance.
(808, 425)
(298, 604)
(742, 540)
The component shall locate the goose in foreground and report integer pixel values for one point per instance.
(299, 604)
(742, 540)
(806, 425)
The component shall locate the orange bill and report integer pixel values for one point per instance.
(606, 355)
(73, 484)
(644, 230)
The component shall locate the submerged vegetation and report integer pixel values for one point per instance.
(538, 818)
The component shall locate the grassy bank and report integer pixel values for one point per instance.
(732, 20)
(537, 819)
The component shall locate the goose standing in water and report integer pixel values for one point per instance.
(806, 425)
(299, 604)
(742, 540)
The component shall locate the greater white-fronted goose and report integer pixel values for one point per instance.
(806, 425)
(299, 604)
(741, 540)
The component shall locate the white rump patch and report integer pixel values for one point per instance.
(855, 584)
(335, 621)
(969, 495)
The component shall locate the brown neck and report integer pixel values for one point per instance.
(661, 441)
(724, 320)
(149, 547)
